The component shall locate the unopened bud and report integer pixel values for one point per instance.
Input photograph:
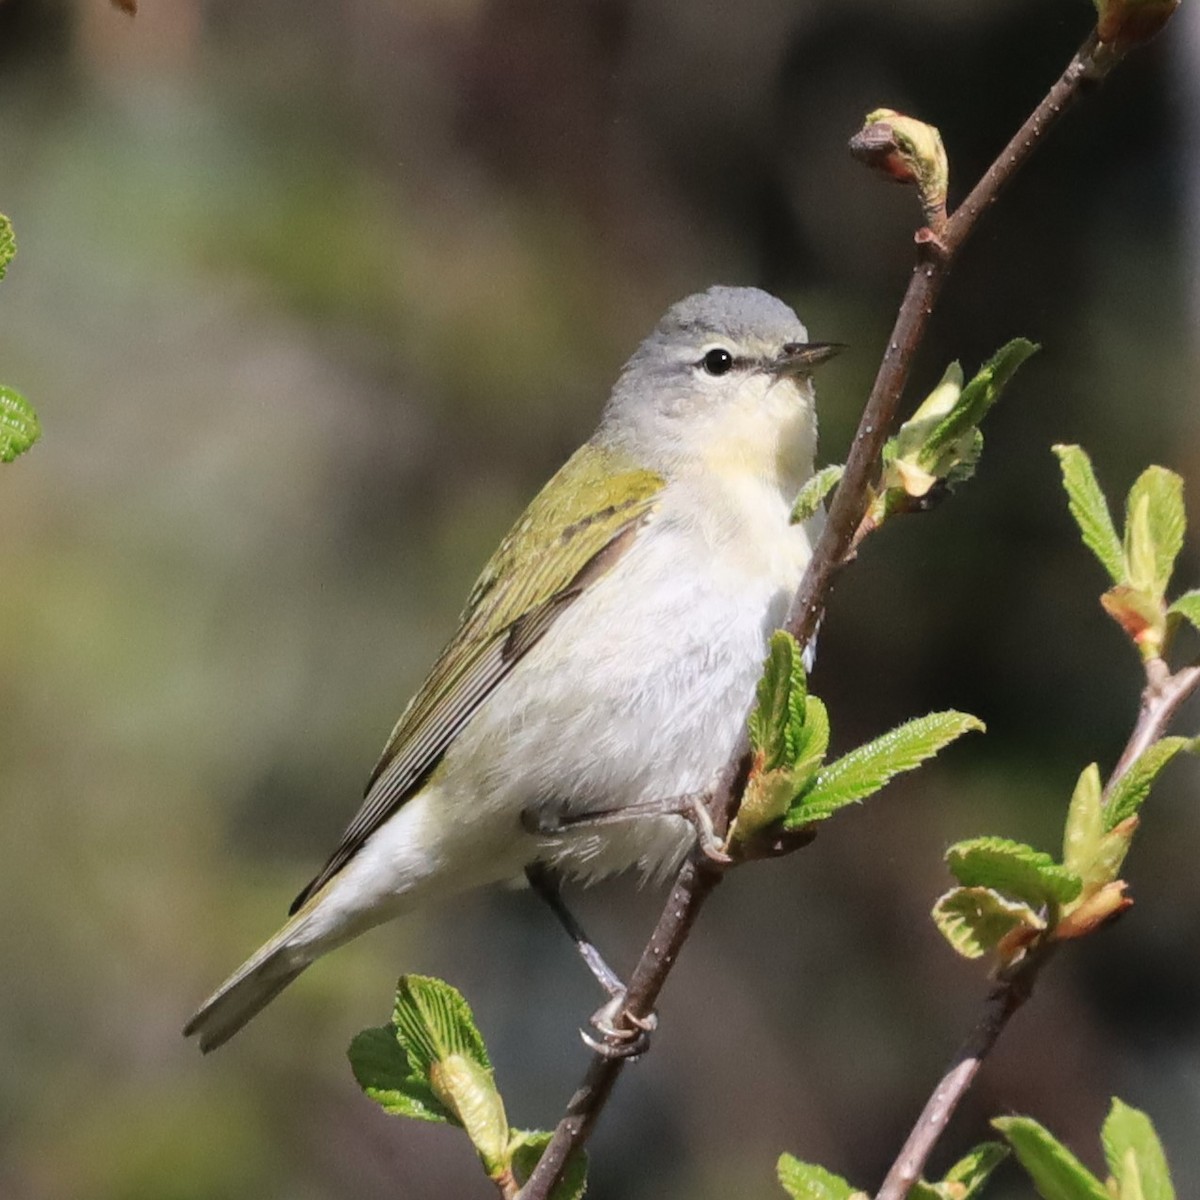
(906, 150)
(1128, 23)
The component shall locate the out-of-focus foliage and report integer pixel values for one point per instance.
(312, 298)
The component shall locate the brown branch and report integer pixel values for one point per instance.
(1002, 1003)
(1160, 702)
(697, 879)
(1161, 699)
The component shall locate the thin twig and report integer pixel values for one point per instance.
(696, 881)
(1159, 705)
(1160, 701)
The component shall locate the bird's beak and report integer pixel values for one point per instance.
(799, 358)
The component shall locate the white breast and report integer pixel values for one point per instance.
(639, 691)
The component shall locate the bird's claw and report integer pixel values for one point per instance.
(629, 1040)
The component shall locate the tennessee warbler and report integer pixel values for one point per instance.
(607, 655)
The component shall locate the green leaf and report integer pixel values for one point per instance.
(527, 1148)
(1134, 786)
(1155, 524)
(911, 436)
(433, 1021)
(812, 494)
(1131, 1144)
(1013, 869)
(435, 1026)
(1090, 510)
(1188, 607)
(864, 771)
(807, 1181)
(8, 244)
(965, 1179)
(781, 703)
(386, 1076)
(431, 1063)
(977, 397)
(19, 427)
(1085, 822)
(1056, 1172)
(810, 742)
(971, 1171)
(975, 920)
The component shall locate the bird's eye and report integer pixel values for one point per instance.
(717, 362)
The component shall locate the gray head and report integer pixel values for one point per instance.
(724, 370)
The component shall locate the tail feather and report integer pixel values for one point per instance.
(246, 993)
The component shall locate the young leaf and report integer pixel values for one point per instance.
(781, 700)
(977, 397)
(977, 919)
(1130, 1144)
(19, 427)
(1085, 822)
(1188, 607)
(971, 1172)
(864, 771)
(1090, 510)
(911, 436)
(527, 1148)
(1056, 1172)
(807, 1181)
(1134, 786)
(386, 1076)
(812, 494)
(8, 244)
(433, 1021)
(1155, 524)
(1013, 869)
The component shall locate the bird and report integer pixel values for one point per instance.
(607, 657)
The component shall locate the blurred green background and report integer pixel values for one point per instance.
(311, 298)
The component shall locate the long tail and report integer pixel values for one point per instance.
(250, 989)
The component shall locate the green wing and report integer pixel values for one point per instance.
(578, 526)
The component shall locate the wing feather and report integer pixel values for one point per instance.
(573, 532)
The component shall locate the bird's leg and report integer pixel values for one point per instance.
(614, 1042)
(691, 807)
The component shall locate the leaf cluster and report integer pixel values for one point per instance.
(1136, 1164)
(791, 785)
(964, 1180)
(940, 444)
(430, 1063)
(1141, 561)
(19, 427)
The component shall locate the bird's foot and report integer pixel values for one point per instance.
(622, 1034)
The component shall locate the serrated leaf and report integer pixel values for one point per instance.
(1132, 1145)
(1188, 607)
(1014, 869)
(810, 742)
(977, 397)
(780, 702)
(864, 771)
(807, 1181)
(1056, 1172)
(1085, 822)
(527, 1148)
(1090, 510)
(386, 1076)
(1133, 787)
(8, 244)
(975, 920)
(433, 1021)
(1155, 524)
(971, 1171)
(19, 427)
(812, 494)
